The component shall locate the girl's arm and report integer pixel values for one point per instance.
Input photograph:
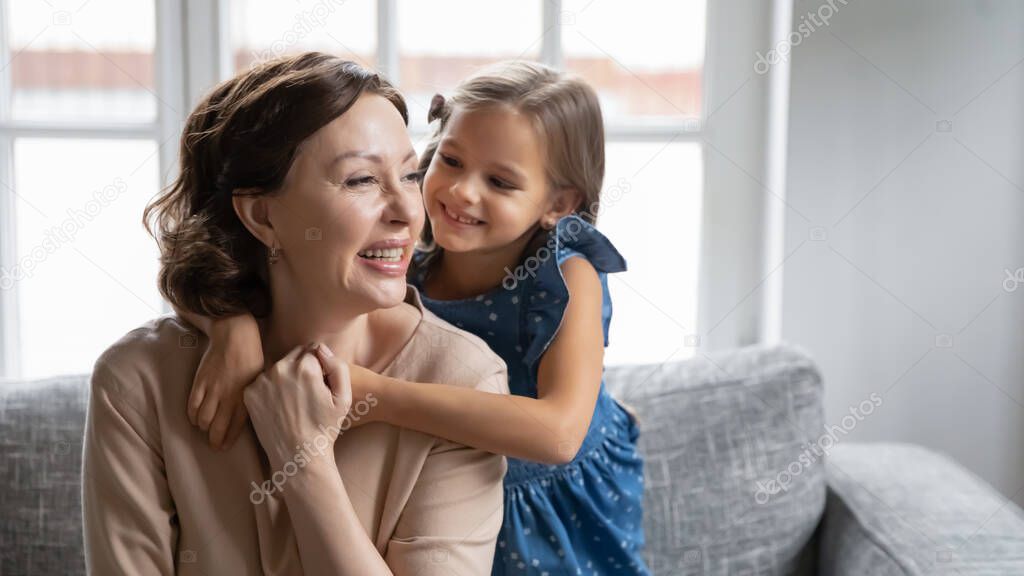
(232, 361)
(549, 428)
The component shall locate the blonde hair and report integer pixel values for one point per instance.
(565, 112)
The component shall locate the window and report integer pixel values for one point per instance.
(90, 110)
(650, 85)
(80, 156)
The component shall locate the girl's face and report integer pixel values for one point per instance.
(486, 185)
(350, 211)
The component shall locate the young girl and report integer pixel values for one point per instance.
(511, 187)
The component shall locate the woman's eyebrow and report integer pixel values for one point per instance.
(368, 156)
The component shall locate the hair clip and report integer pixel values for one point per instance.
(436, 108)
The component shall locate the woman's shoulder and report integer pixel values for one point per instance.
(149, 357)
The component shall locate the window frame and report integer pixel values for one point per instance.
(168, 64)
(189, 32)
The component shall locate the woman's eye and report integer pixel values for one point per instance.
(416, 177)
(450, 161)
(363, 181)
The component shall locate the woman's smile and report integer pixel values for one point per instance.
(389, 257)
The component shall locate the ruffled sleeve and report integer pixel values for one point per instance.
(548, 296)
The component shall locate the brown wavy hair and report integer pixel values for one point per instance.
(241, 139)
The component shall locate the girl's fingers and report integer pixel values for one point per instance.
(238, 421)
(195, 401)
(219, 427)
(207, 413)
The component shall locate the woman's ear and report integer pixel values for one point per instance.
(251, 208)
(564, 201)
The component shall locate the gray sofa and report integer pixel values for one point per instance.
(743, 477)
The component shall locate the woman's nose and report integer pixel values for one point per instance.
(404, 208)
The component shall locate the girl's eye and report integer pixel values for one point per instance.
(501, 184)
(450, 161)
(363, 181)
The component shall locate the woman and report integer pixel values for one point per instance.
(297, 200)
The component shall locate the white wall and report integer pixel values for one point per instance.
(918, 224)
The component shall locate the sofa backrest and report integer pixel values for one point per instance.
(725, 493)
(733, 484)
(41, 424)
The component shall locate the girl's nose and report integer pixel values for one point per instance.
(464, 192)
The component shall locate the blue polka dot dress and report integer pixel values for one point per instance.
(583, 517)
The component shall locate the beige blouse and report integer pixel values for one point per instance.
(158, 500)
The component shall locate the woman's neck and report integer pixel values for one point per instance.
(292, 324)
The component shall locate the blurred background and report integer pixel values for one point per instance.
(845, 175)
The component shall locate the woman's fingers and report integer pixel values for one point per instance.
(295, 354)
(324, 355)
(337, 374)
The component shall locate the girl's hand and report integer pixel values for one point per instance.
(297, 405)
(233, 360)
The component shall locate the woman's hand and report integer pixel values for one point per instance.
(233, 360)
(366, 387)
(297, 405)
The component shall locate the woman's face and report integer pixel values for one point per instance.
(350, 211)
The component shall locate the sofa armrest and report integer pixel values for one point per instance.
(902, 509)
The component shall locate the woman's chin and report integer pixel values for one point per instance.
(385, 292)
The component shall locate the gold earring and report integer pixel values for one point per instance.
(275, 255)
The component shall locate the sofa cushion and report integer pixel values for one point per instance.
(730, 488)
(41, 425)
(899, 509)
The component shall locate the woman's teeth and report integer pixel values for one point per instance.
(458, 218)
(383, 254)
